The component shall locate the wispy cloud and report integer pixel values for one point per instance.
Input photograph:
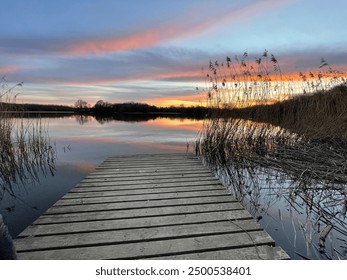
(144, 39)
(189, 24)
(169, 64)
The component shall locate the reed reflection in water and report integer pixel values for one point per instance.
(295, 186)
(25, 151)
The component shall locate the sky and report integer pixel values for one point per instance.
(153, 50)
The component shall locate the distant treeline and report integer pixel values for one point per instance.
(102, 108)
(35, 107)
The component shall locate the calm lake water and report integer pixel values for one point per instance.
(83, 143)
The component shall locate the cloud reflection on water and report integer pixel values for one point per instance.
(80, 148)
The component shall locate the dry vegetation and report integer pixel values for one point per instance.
(298, 141)
(25, 148)
(320, 115)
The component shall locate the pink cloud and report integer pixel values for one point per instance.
(8, 69)
(188, 24)
(145, 39)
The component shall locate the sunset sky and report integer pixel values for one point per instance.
(153, 51)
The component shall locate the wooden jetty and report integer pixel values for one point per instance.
(162, 206)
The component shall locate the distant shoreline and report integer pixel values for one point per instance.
(39, 112)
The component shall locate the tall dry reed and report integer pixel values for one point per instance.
(25, 147)
(265, 139)
(242, 82)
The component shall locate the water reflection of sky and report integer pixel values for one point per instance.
(82, 145)
(80, 148)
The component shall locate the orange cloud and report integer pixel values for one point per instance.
(188, 24)
(138, 40)
(178, 100)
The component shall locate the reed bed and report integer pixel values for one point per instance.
(25, 147)
(260, 162)
(288, 145)
(242, 82)
(320, 115)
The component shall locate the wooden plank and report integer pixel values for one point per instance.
(131, 181)
(147, 160)
(155, 248)
(135, 223)
(153, 156)
(167, 178)
(201, 197)
(114, 192)
(150, 155)
(159, 196)
(259, 252)
(138, 213)
(151, 185)
(148, 170)
(86, 189)
(93, 202)
(170, 174)
(150, 203)
(99, 205)
(149, 166)
(152, 162)
(101, 238)
(181, 158)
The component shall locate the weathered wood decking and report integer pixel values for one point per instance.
(147, 207)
